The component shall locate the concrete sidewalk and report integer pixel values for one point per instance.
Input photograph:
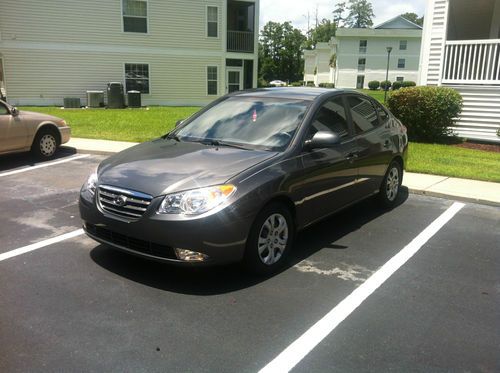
(432, 185)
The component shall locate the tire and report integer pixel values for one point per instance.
(45, 144)
(270, 240)
(391, 185)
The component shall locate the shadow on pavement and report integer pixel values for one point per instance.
(10, 162)
(224, 279)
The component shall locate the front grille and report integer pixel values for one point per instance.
(134, 244)
(124, 203)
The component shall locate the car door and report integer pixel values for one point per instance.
(372, 137)
(13, 132)
(328, 174)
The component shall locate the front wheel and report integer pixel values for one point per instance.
(270, 240)
(45, 144)
(391, 185)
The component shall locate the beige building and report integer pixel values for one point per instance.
(176, 52)
(359, 55)
(461, 49)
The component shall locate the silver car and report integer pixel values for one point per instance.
(22, 131)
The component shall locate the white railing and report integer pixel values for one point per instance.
(240, 41)
(472, 62)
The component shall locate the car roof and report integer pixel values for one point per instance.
(299, 93)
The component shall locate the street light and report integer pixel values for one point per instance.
(389, 50)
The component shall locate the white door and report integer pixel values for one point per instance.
(234, 79)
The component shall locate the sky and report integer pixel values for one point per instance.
(295, 11)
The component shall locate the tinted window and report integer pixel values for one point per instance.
(384, 116)
(331, 117)
(364, 116)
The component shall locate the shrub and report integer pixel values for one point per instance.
(310, 84)
(374, 85)
(261, 83)
(385, 84)
(297, 84)
(427, 112)
(396, 86)
(326, 85)
(408, 83)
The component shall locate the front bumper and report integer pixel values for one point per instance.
(221, 236)
(65, 134)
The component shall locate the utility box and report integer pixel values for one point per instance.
(134, 99)
(72, 102)
(95, 99)
(116, 98)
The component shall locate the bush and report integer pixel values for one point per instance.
(396, 86)
(326, 85)
(374, 85)
(261, 83)
(297, 84)
(385, 84)
(310, 84)
(408, 83)
(427, 112)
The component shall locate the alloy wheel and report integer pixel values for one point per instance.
(273, 238)
(48, 145)
(392, 184)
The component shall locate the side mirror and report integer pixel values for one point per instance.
(179, 122)
(14, 112)
(323, 139)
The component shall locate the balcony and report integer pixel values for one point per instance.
(472, 62)
(240, 26)
(240, 41)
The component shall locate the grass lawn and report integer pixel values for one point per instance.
(145, 124)
(377, 95)
(119, 124)
(453, 161)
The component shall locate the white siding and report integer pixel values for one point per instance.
(62, 48)
(480, 117)
(433, 43)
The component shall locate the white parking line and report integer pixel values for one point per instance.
(294, 353)
(45, 165)
(39, 245)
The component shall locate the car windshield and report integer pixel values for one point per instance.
(249, 122)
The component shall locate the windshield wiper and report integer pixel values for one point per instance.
(173, 136)
(215, 142)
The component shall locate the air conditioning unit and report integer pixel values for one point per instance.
(116, 98)
(134, 99)
(72, 102)
(95, 99)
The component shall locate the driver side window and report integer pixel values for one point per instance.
(4, 110)
(331, 117)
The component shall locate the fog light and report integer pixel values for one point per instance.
(190, 256)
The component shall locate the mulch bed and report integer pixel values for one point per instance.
(480, 146)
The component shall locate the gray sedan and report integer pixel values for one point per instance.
(22, 131)
(238, 179)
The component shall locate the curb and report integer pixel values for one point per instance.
(88, 151)
(454, 197)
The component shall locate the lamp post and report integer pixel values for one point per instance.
(389, 50)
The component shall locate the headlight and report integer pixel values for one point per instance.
(63, 123)
(196, 201)
(91, 184)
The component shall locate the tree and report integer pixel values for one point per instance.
(338, 14)
(280, 52)
(413, 17)
(360, 14)
(321, 33)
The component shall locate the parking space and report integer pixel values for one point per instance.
(77, 305)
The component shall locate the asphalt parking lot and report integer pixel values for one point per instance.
(76, 305)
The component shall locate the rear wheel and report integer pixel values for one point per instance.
(45, 144)
(270, 240)
(391, 185)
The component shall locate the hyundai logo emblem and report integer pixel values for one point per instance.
(120, 200)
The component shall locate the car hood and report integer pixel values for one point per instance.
(39, 116)
(165, 166)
